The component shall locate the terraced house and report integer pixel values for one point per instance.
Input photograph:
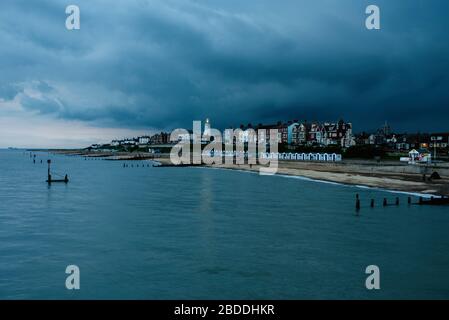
(326, 134)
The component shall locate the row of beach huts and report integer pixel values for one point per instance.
(329, 157)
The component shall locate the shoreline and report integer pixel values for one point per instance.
(349, 174)
(411, 193)
(388, 175)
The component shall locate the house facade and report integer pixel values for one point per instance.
(439, 140)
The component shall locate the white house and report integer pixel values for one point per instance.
(144, 140)
(415, 156)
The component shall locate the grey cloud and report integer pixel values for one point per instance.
(164, 63)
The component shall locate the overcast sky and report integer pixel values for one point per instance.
(143, 65)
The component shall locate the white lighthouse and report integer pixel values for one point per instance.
(207, 128)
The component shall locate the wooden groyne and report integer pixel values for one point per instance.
(50, 179)
(164, 165)
(435, 201)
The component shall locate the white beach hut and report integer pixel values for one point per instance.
(413, 155)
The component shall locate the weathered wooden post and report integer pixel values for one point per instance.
(49, 175)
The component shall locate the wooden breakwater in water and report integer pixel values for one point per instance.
(432, 201)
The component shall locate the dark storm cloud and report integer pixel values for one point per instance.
(162, 64)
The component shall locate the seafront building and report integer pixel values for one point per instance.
(439, 140)
(295, 134)
(323, 134)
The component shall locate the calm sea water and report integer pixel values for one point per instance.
(188, 233)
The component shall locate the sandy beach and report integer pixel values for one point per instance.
(389, 175)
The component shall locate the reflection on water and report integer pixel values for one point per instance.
(166, 233)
